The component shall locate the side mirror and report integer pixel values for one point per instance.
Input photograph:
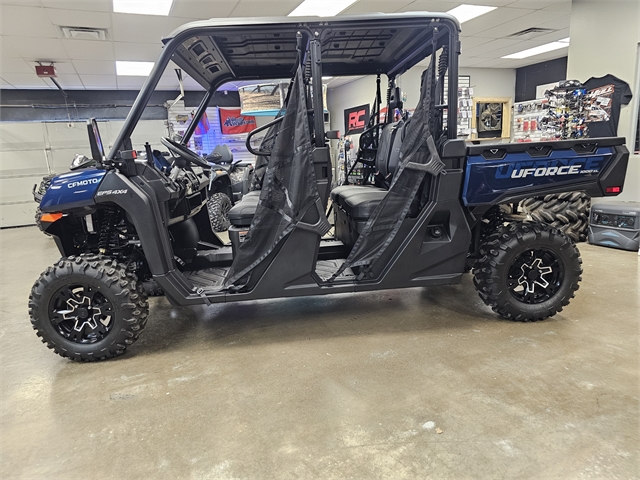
(333, 135)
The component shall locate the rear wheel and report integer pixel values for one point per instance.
(219, 205)
(88, 308)
(527, 272)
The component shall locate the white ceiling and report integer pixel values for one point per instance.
(30, 33)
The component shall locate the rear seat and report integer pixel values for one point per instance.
(354, 204)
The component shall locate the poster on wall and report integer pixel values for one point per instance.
(233, 123)
(356, 119)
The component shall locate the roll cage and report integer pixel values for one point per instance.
(214, 52)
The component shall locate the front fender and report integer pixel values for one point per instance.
(142, 206)
(220, 182)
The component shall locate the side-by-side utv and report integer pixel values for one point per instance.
(417, 221)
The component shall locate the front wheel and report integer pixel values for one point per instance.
(527, 271)
(88, 308)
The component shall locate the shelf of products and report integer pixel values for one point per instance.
(559, 116)
(526, 120)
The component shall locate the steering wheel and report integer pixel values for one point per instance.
(184, 152)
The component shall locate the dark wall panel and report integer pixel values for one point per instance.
(49, 105)
(529, 77)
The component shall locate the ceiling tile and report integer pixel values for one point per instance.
(557, 21)
(191, 84)
(174, 23)
(69, 81)
(508, 50)
(96, 82)
(202, 9)
(34, 49)
(478, 26)
(15, 65)
(88, 49)
(7, 50)
(130, 83)
(564, 6)
(534, 4)
(139, 28)
(79, 18)
(5, 85)
(89, 5)
(491, 3)
(137, 52)
(22, 3)
(472, 42)
(338, 81)
(493, 63)
(486, 48)
(260, 8)
(471, 62)
(384, 6)
(25, 80)
(27, 22)
(532, 19)
(168, 83)
(435, 6)
(95, 67)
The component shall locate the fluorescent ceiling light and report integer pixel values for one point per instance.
(134, 69)
(321, 8)
(143, 7)
(547, 47)
(466, 12)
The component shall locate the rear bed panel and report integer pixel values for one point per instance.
(509, 172)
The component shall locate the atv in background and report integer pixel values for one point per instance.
(230, 181)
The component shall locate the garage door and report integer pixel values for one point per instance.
(29, 151)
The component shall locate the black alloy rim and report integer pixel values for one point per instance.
(535, 276)
(81, 313)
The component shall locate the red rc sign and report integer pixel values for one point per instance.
(356, 119)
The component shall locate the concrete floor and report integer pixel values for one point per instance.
(420, 383)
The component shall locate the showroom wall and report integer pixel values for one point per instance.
(598, 49)
(528, 78)
(487, 82)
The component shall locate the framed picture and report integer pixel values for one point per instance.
(491, 118)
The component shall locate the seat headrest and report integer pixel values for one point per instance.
(395, 99)
(226, 156)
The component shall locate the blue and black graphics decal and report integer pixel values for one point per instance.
(488, 180)
(71, 190)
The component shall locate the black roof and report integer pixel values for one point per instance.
(220, 50)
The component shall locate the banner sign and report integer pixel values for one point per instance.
(356, 119)
(232, 122)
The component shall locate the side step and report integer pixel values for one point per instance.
(326, 268)
(208, 278)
